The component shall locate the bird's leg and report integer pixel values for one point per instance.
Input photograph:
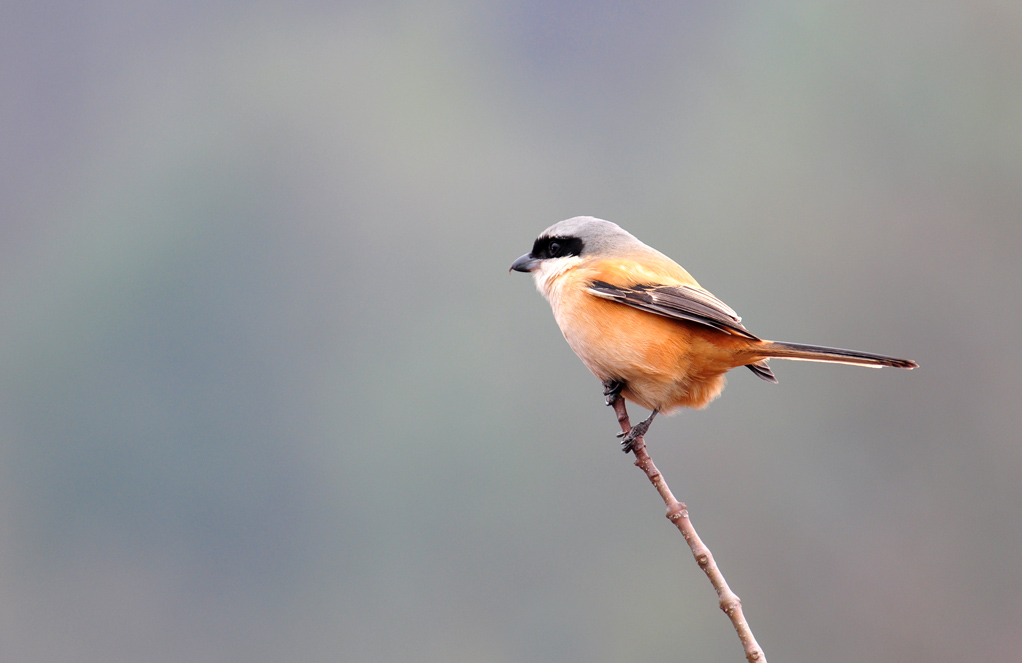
(638, 430)
(612, 390)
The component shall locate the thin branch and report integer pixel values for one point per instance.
(677, 513)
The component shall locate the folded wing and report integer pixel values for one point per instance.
(683, 302)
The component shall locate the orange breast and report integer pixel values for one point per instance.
(665, 363)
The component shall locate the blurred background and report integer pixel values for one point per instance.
(267, 391)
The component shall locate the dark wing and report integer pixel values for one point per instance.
(678, 302)
(683, 303)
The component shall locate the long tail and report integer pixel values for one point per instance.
(783, 350)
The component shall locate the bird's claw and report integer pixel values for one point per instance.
(639, 430)
(628, 443)
(612, 390)
(628, 439)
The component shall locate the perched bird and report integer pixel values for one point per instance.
(643, 325)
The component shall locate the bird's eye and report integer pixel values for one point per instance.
(554, 248)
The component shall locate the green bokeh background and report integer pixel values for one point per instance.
(268, 393)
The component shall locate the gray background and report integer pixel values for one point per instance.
(268, 393)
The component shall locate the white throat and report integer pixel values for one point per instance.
(549, 271)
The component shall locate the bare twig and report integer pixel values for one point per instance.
(677, 513)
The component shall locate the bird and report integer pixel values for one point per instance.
(643, 326)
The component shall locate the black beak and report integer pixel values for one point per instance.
(525, 264)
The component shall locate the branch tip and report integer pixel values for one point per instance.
(677, 513)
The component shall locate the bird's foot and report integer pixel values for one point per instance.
(612, 390)
(638, 430)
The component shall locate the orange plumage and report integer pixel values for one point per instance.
(639, 321)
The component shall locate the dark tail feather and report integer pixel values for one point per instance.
(783, 350)
(762, 371)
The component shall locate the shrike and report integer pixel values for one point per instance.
(643, 325)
